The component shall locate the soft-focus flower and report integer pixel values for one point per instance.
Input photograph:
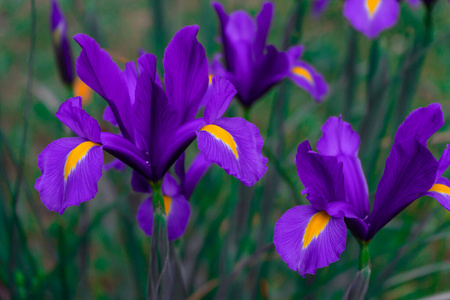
(308, 237)
(61, 46)
(176, 196)
(80, 89)
(254, 67)
(156, 126)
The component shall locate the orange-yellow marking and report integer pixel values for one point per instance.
(440, 188)
(80, 89)
(223, 135)
(167, 203)
(302, 72)
(315, 226)
(372, 6)
(210, 77)
(76, 155)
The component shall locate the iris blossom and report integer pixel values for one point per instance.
(308, 237)
(370, 17)
(156, 125)
(61, 45)
(176, 196)
(254, 67)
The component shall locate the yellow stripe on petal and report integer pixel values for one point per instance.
(210, 78)
(80, 89)
(76, 155)
(440, 188)
(302, 72)
(222, 135)
(372, 6)
(315, 226)
(167, 204)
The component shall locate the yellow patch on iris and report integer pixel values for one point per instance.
(76, 155)
(372, 6)
(302, 72)
(222, 135)
(167, 203)
(315, 226)
(440, 188)
(210, 77)
(80, 89)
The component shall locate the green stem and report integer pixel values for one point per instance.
(364, 255)
(247, 113)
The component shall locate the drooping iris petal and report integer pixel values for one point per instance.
(222, 94)
(306, 77)
(78, 120)
(235, 145)
(177, 209)
(96, 68)
(409, 172)
(186, 72)
(61, 45)
(170, 186)
(372, 16)
(441, 192)
(321, 175)
(444, 163)
(421, 123)
(340, 140)
(71, 168)
(308, 239)
(155, 120)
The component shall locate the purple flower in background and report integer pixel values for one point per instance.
(176, 196)
(61, 46)
(308, 237)
(156, 125)
(372, 16)
(254, 67)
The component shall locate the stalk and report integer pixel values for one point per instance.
(364, 255)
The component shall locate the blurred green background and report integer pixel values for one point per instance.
(97, 251)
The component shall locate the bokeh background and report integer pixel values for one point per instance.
(97, 251)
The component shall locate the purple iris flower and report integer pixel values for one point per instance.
(176, 196)
(254, 67)
(61, 46)
(370, 17)
(308, 237)
(156, 125)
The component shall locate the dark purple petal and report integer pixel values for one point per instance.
(263, 21)
(196, 171)
(114, 164)
(340, 140)
(180, 171)
(185, 135)
(321, 175)
(294, 53)
(61, 45)
(140, 183)
(372, 16)
(145, 216)
(235, 145)
(340, 209)
(409, 172)
(308, 239)
(421, 123)
(127, 152)
(147, 62)
(306, 77)
(186, 72)
(444, 163)
(222, 94)
(96, 68)
(177, 218)
(108, 115)
(71, 168)
(155, 119)
(76, 118)
(170, 186)
(130, 75)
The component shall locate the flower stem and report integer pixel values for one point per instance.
(364, 255)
